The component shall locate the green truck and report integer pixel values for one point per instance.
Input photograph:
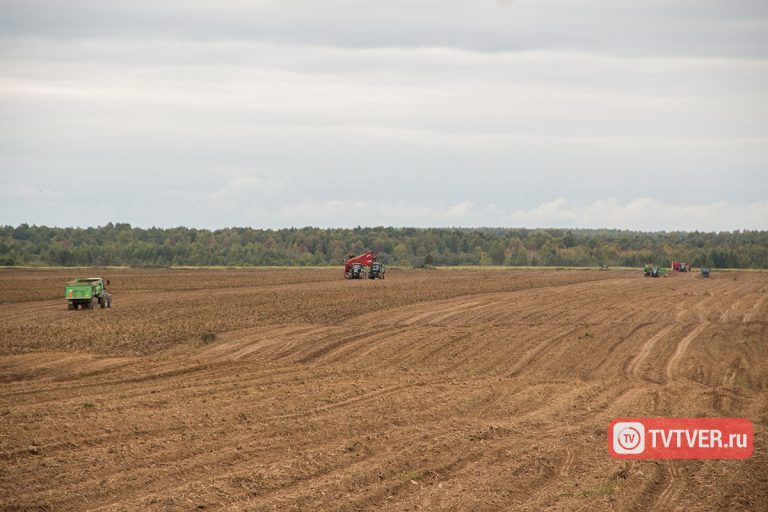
(87, 293)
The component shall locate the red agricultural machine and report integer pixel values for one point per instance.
(679, 266)
(362, 266)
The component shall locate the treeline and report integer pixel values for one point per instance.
(121, 244)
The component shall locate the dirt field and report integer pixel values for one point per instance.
(431, 390)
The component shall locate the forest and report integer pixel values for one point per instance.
(122, 244)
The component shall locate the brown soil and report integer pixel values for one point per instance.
(299, 390)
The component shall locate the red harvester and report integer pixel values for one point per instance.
(356, 267)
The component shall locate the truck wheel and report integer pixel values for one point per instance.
(94, 304)
(109, 302)
(70, 306)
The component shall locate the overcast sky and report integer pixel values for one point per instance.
(647, 115)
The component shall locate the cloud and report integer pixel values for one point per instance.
(653, 27)
(646, 214)
(372, 212)
(291, 113)
(244, 187)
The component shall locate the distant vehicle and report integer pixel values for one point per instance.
(680, 266)
(356, 267)
(87, 293)
(377, 271)
(654, 271)
(357, 271)
(705, 271)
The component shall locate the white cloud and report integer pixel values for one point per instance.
(372, 212)
(645, 214)
(244, 187)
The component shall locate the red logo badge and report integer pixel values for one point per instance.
(680, 438)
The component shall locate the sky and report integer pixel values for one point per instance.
(647, 115)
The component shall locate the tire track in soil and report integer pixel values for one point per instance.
(435, 313)
(667, 495)
(569, 457)
(537, 351)
(755, 309)
(727, 313)
(622, 340)
(651, 490)
(635, 364)
(680, 349)
(341, 342)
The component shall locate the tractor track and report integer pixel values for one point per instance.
(681, 348)
(635, 364)
(667, 495)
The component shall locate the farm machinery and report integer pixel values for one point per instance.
(679, 266)
(357, 271)
(377, 271)
(705, 271)
(654, 271)
(363, 266)
(87, 293)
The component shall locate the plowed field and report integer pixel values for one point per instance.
(430, 390)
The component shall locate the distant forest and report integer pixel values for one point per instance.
(121, 244)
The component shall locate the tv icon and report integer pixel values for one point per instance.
(628, 437)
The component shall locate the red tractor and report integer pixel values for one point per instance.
(679, 266)
(356, 267)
